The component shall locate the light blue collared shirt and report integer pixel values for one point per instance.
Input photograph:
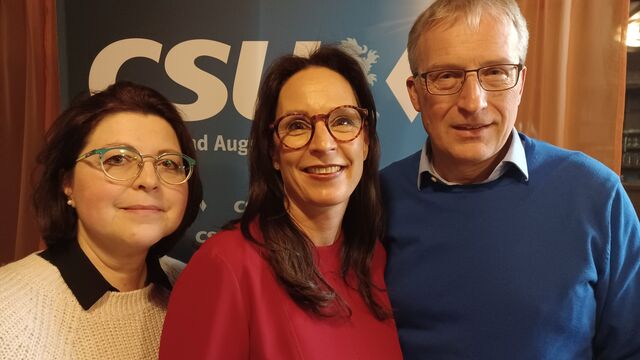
(515, 156)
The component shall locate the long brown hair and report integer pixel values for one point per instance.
(286, 247)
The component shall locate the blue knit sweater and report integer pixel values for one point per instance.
(547, 268)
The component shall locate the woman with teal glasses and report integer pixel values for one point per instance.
(118, 188)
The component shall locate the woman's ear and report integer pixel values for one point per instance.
(67, 185)
(366, 145)
(275, 156)
(275, 160)
(67, 188)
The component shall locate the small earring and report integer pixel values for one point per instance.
(70, 203)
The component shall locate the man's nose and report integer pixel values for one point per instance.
(472, 97)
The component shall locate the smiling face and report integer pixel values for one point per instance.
(126, 217)
(325, 172)
(470, 129)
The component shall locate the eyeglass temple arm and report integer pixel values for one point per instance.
(191, 161)
(86, 155)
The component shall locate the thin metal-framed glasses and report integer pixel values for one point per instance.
(295, 130)
(124, 163)
(497, 77)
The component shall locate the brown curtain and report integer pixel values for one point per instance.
(574, 93)
(29, 101)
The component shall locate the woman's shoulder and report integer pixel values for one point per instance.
(27, 282)
(231, 241)
(226, 256)
(21, 302)
(231, 247)
(32, 269)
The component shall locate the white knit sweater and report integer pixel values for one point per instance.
(41, 319)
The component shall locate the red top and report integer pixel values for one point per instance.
(227, 304)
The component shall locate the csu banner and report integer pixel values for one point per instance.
(208, 57)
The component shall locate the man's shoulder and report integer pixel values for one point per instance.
(406, 166)
(545, 158)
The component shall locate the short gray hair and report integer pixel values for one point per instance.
(443, 11)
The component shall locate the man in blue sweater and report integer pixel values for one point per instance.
(501, 246)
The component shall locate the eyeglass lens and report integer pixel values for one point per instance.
(296, 130)
(125, 164)
(491, 78)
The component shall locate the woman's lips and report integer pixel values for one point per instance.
(142, 208)
(323, 170)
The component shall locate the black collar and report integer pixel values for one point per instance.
(84, 280)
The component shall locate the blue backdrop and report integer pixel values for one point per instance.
(208, 58)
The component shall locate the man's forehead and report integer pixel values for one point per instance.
(459, 44)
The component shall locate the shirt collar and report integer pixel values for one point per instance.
(515, 156)
(84, 280)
